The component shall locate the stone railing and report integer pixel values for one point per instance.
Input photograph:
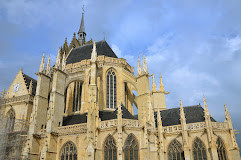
(101, 60)
(128, 123)
(72, 129)
(194, 127)
(24, 98)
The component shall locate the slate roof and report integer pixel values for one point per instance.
(28, 80)
(104, 115)
(84, 52)
(192, 113)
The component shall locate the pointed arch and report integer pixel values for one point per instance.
(175, 151)
(68, 151)
(199, 149)
(222, 154)
(131, 148)
(110, 150)
(111, 89)
(10, 120)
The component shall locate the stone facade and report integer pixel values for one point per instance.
(88, 106)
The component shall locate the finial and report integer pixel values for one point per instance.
(139, 67)
(153, 84)
(57, 63)
(180, 102)
(48, 67)
(161, 84)
(227, 115)
(205, 103)
(144, 64)
(64, 62)
(30, 90)
(74, 34)
(41, 68)
(94, 53)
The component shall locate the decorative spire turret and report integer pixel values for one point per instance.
(145, 70)
(42, 66)
(30, 90)
(182, 114)
(139, 67)
(94, 53)
(81, 32)
(161, 84)
(153, 84)
(208, 122)
(58, 62)
(48, 67)
(64, 62)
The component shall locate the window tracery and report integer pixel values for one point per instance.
(175, 151)
(131, 148)
(221, 149)
(199, 150)
(111, 90)
(110, 151)
(10, 121)
(69, 152)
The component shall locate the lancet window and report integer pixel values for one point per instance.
(110, 151)
(68, 152)
(221, 149)
(131, 148)
(10, 121)
(199, 150)
(175, 151)
(73, 97)
(111, 90)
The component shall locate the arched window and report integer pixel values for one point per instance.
(131, 148)
(199, 150)
(73, 97)
(68, 152)
(221, 149)
(110, 149)
(10, 121)
(175, 151)
(111, 90)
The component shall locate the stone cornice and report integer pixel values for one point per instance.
(19, 99)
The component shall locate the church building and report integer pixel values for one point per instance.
(81, 108)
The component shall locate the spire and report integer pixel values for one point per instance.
(139, 67)
(182, 114)
(161, 84)
(205, 106)
(57, 63)
(30, 90)
(144, 64)
(81, 32)
(42, 67)
(64, 62)
(227, 115)
(94, 53)
(48, 67)
(153, 84)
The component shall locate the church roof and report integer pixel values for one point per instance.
(192, 113)
(28, 80)
(84, 52)
(104, 115)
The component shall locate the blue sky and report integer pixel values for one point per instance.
(196, 45)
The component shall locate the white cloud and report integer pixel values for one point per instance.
(234, 44)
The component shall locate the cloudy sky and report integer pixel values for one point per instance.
(195, 45)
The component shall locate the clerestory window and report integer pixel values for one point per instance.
(111, 90)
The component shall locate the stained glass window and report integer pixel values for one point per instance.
(10, 121)
(199, 150)
(175, 151)
(131, 148)
(111, 90)
(221, 149)
(110, 151)
(68, 152)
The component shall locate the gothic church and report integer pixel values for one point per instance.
(82, 109)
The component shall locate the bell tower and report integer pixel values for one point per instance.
(81, 32)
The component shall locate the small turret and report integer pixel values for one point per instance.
(94, 53)
(42, 67)
(30, 89)
(64, 62)
(57, 63)
(161, 84)
(145, 70)
(153, 84)
(139, 67)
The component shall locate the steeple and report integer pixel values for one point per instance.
(81, 32)
(153, 84)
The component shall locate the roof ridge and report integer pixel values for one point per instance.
(184, 107)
